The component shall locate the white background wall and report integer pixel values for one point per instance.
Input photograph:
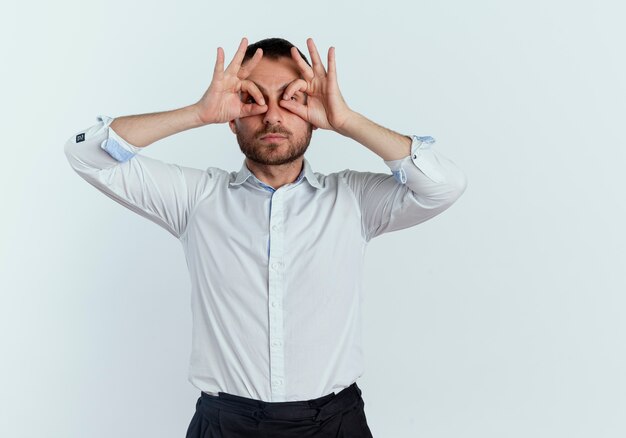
(503, 317)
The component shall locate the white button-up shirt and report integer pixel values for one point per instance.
(276, 275)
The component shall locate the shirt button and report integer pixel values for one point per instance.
(274, 303)
(275, 266)
(276, 343)
(275, 227)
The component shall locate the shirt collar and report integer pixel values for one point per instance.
(306, 173)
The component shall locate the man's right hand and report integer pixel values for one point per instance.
(222, 102)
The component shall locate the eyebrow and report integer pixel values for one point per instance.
(263, 90)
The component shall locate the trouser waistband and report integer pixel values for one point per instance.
(315, 409)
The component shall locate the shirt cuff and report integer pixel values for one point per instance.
(115, 145)
(421, 156)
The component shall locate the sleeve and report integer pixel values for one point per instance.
(420, 186)
(161, 192)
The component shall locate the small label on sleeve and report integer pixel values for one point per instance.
(80, 137)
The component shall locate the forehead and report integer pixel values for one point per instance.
(274, 73)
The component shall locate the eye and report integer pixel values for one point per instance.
(247, 98)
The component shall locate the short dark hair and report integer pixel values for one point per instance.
(273, 48)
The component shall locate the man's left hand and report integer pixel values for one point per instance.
(325, 107)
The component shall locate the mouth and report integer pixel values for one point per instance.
(273, 137)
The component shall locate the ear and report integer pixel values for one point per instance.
(233, 126)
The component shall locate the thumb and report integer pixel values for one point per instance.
(252, 109)
(295, 107)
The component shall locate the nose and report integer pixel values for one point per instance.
(274, 113)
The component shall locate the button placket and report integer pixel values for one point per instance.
(276, 273)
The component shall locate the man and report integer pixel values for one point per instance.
(275, 250)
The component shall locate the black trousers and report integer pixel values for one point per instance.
(339, 415)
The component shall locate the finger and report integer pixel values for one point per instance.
(219, 62)
(251, 88)
(332, 66)
(251, 109)
(246, 69)
(296, 85)
(306, 71)
(295, 107)
(318, 67)
(241, 51)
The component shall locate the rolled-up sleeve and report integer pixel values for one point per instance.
(162, 192)
(421, 186)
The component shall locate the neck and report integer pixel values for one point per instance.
(276, 176)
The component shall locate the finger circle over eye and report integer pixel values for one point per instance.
(251, 88)
(296, 85)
